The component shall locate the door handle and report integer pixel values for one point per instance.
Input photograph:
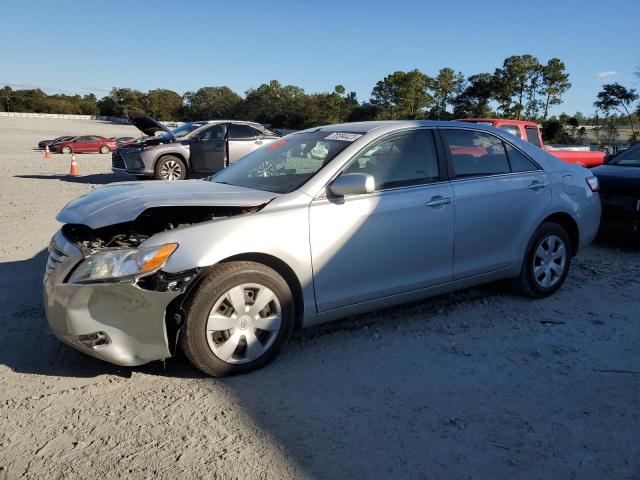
(258, 142)
(537, 185)
(438, 201)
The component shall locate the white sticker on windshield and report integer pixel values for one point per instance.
(345, 137)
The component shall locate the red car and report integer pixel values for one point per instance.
(85, 144)
(530, 132)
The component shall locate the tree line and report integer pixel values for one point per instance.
(523, 87)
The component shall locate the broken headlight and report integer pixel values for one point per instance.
(122, 263)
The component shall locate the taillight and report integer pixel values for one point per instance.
(593, 184)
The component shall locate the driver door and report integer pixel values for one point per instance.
(208, 149)
(394, 240)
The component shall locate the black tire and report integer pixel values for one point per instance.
(222, 278)
(66, 150)
(104, 149)
(526, 282)
(164, 162)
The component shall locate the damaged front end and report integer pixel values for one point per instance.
(107, 295)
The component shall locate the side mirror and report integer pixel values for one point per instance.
(353, 184)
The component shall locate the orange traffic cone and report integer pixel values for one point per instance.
(74, 166)
(47, 154)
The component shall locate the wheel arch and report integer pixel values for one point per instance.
(567, 222)
(283, 269)
(173, 154)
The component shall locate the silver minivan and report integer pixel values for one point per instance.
(319, 225)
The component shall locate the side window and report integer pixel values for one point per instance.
(83, 139)
(241, 132)
(214, 133)
(520, 163)
(512, 129)
(475, 154)
(406, 159)
(532, 136)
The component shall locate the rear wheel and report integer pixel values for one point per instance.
(170, 168)
(104, 149)
(546, 262)
(238, 319)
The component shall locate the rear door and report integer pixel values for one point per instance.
(501, 195)
(243, 139)
(208, 149)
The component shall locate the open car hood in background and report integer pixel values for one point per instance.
(147, 125)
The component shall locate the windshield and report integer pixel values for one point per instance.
(628, 158)
(286, 164)
(185, 129)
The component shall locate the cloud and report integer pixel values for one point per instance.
(607, 73)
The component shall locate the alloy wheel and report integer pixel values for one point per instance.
(243, 323)
(171, 170)
(549, 261)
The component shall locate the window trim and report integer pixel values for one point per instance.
(245, 138)
(452, 176)
(442, 167)
(526, 132)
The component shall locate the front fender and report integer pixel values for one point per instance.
(280, 230)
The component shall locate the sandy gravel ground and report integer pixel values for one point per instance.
(478, 384)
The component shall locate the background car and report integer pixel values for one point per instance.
(85, 144)
(322, 224)
(530, 131)
(44, 143)
(620, 191)
(174, 154)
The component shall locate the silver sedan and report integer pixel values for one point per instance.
(322, 224)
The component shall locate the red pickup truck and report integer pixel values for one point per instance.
(530, 131)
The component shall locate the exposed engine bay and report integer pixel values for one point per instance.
(148, 223)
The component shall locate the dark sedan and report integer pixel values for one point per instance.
(620, 191)
(85, 144)
(44, 143)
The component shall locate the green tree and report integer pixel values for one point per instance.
(473, 100)
(162, 104)
(210, 103)
(120, 100)
(614, 96)
(516, 86)
(277, 105)
(329, 108)
(555, 82)
(402, 95)
(445, 87)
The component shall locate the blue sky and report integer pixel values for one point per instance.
(84, 46)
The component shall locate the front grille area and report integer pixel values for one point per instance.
(117, 161)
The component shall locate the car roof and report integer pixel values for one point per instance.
(366, 127)
(501, 120)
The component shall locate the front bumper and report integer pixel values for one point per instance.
(129, 321)
(128, 161)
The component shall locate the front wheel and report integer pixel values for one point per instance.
(66, 150)
(546, 262)
(104, 149)
(170, 168)
(238, 319)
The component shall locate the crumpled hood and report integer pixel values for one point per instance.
(123, 202)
